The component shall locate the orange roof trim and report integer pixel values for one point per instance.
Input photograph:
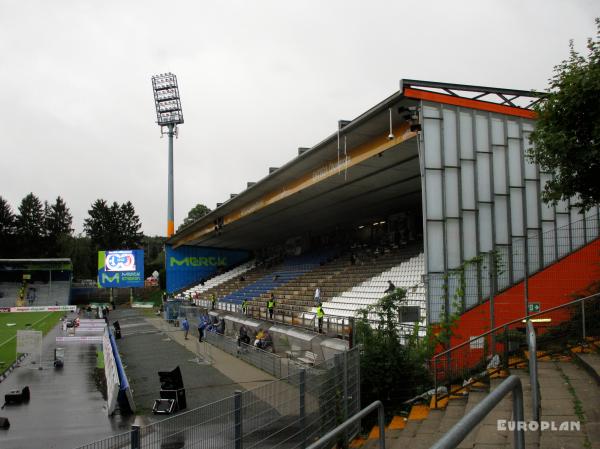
(468, 103)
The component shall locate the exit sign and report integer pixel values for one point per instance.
(534, 307)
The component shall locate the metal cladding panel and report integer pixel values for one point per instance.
(451, 192)
(533, 253)
(515, 176)
(467, 181)
(518, 259)
(562, 234)
(513, 129)
(498, 131)
(485, 228)
(450, 145)
(501, 220)
(432, 138)
(516, 212)
(549, 243)
(434, 194)
(499, 170)
(531, 204)
(453, 243)
(530, 170)
(484, 188)
(482, 133)
(547, 209)
(482, 195)
(467, 150)
(435, 246)
(469, 234)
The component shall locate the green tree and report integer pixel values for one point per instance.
(392, 364)
(7, 228)
(30, 226)
(113, 227)
(195, 213)
(59, 222)
(130, 226)
(567, 134)
(98, 224)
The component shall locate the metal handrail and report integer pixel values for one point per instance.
(462, 428)
(364, 412)
(533, 376)
(528, 317)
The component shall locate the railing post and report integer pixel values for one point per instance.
(381, 421)
(303, 406)
(506, 343)
(583, 319)
(135, 437)
(533, 376)
(518, 416)
(435, 384)
(238, 418)
(345, 404)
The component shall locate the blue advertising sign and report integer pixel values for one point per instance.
(190, 264)
(121, 269)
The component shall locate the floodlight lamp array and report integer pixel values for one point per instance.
(166, 99)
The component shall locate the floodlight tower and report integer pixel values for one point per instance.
(169, 115)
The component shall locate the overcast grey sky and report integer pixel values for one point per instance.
(257, 79)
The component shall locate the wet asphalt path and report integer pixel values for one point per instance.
(145, 350)
(66, 409)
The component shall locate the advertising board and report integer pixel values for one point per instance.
(189, 264)
(121, 269)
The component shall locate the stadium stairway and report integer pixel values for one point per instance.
(569, 385)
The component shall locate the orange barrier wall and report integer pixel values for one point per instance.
(551, 287)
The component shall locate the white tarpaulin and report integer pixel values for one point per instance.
(30, 342)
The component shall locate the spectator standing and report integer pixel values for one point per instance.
(185, 325)
(202, 322)
(391, 287)
(271, 305)
(320, 315)
(245, 306)
(213, 301)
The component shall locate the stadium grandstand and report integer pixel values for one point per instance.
(35, 282)
(430, 189)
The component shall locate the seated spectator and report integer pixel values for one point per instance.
(221, 326)
(258, 339)
(243, 336)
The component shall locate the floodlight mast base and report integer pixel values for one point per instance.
(170, 207)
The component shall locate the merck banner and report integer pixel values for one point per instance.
(190, 264)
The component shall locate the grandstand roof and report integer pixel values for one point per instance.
(321, 187)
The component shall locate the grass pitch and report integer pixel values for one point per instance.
(41, 321)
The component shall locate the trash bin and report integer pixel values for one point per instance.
(117, 328)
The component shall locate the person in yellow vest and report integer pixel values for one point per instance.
(271, 305)
(320, 315)
(245, 306)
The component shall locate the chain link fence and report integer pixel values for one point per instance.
(289, 413)
(492, 273)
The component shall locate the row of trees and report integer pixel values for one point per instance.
(40, 229)
(37, 230)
